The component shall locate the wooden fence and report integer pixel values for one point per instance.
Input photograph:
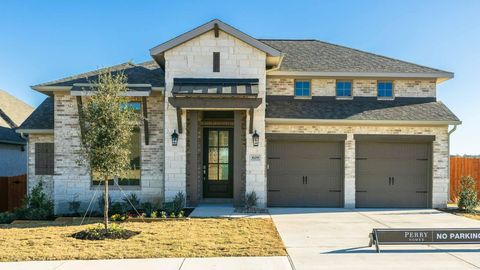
(12, 192)
(463, 166)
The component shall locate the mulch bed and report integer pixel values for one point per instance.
(102, 234)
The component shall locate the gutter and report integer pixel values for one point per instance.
(278, 65)
(35, 131)
(449, 174)
(296, 121)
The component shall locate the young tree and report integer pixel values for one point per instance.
(467, 195)
(108, 123)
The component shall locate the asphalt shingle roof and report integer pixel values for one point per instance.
(42, 117)
(8, 135)
(319, 56)
(359, 108)
(143, 73)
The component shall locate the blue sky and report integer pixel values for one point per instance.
(47, 40)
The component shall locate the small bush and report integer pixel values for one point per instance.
(36, 206)
(251, 200)
(467, 196)
(118, 217)
(181, 214)
(154, 214)
(132, 201)
(172, 215)
(99, 233)
(177, 204)
(7, 217)
(117, 208)
(74, 205)
(147, 208)
(163, 214)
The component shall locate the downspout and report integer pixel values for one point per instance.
(449, 133)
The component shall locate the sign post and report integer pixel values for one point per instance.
(423, 237)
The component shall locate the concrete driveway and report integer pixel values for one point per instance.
(338, 239)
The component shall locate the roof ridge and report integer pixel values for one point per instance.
(378, 55)
(287, 39)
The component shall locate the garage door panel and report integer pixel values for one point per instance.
(392, 174)
(303, 174)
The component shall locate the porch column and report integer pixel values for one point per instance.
(349, 184)
(175, 156)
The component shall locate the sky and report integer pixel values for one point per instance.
(47, 40)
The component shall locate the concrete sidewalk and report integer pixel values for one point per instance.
(230, 263)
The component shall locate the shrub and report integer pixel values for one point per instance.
(172, 215)
(163, 214)
(132, 201)
(74, 205)
(7, 217)
(118, 217)
(251, 199)
(467, 196)
(177, 204)
(181, 214)
(36, 205)
(154, 214)
(117, 208)
(147, 207)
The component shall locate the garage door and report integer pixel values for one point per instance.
(390, 174)
(305, 173)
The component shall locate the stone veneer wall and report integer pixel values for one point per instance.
(195, 59)
(32, 178)
(72, 180)
(362, 87)
(440, 147)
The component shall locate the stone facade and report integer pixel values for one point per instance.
(361, 87)
(440, 171)
(71, 179)
(193, 59)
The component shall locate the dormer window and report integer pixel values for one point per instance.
(385, 89)
(302, 88)
(344, 89)
(216, 62)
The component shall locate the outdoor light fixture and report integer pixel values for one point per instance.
(255, 138)
(174, 138)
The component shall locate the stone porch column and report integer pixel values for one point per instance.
(349, 184)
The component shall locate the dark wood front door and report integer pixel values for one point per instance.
(217, 163)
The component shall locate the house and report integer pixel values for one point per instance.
(13, 157)
(300, 122)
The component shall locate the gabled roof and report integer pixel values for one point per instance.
(318, 57)
(426, 110)
(41, 119)
(207, 27)
(9, 136)
(12, 110)
(144, 73)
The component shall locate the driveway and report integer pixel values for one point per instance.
(338, 239)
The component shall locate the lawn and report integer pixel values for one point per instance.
(182, 238)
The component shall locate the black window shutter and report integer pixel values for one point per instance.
(216, 62)
(44, 158)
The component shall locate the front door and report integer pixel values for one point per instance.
(217, 163)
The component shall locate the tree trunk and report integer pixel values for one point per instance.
(105, 204)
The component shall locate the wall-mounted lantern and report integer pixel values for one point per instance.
(174, 138)
(256, 138)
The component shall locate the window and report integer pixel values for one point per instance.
(385, 89)
(216, 62)
(344, 89)
(302, 88)
(44, 159)
(131, 176)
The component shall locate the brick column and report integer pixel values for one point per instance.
(349, 184)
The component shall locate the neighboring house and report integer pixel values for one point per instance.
(300, 122)
(13, 157)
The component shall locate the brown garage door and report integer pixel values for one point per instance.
(305, 173)
(390, 174)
